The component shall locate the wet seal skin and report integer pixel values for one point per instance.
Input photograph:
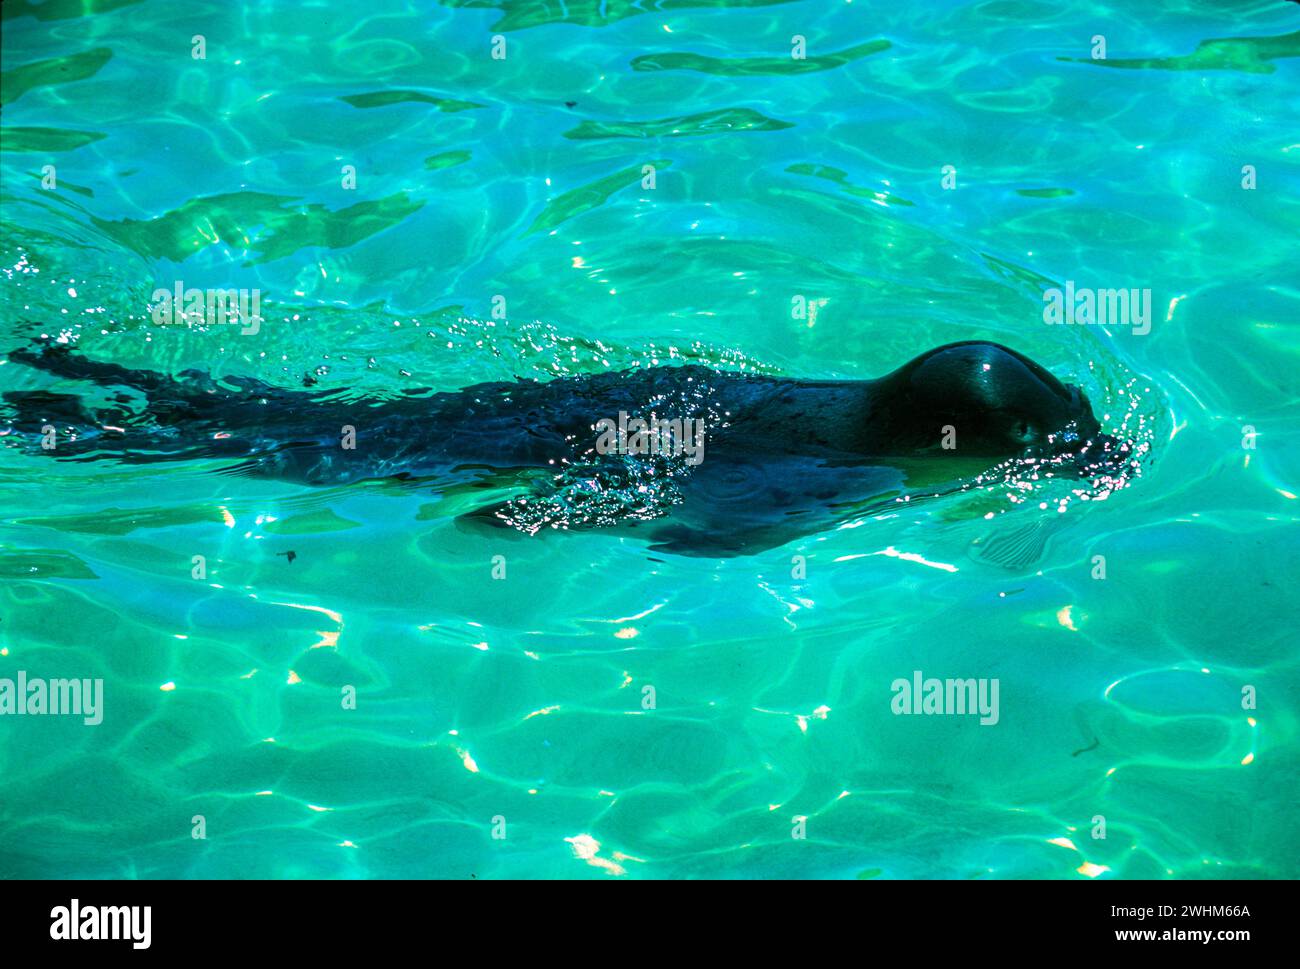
(775, 458)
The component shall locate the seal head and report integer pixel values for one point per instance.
(998, 403)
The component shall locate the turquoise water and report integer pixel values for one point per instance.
(516, 705)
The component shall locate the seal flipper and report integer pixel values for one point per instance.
(197, 394)
(723, 507)
(59, 360)
(1018, 548)
(38, 407)
(196, 416)
(739, 506)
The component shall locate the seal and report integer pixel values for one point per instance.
(698, 461)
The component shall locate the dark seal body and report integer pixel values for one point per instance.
(780, 456)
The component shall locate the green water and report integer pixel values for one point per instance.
(517, 705)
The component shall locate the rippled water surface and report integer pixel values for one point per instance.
(500, 226)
